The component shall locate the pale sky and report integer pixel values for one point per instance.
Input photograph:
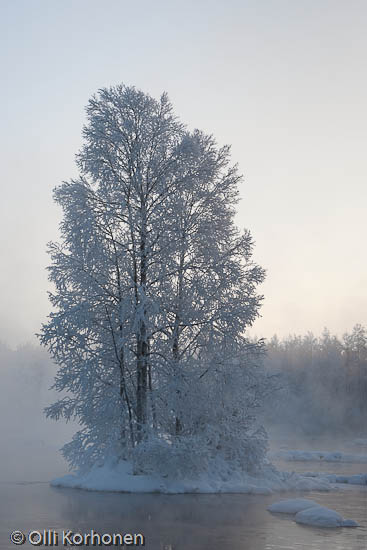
(283, 81)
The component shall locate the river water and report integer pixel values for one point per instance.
(173, 522)
(187, 522)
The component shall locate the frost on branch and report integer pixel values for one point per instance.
(154, 290)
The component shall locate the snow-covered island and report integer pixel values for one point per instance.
(119, 477)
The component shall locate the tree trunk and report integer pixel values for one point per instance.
(142, 344)
(176, 335)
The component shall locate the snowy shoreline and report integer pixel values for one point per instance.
(119, 478)
(318, 456)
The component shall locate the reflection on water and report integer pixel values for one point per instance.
(175, 522)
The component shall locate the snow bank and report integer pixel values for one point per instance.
(309, 456)
(111, 478)
(360, 442)
(119, 477)
(320, 516)
(291, 506)
(310, 512)
(354, 479)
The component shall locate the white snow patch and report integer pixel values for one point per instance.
(291, 505)
(320, 516)
(310, 512)
(325, 456)
(354, 479)
(119, 477)
(360, 442)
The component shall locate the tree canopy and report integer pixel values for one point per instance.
(154, 289)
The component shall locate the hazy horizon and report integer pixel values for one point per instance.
(281, 82)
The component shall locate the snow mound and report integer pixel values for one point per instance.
(309, 456)
(319, 516)
(310, 512)
(292, 505)
(349, 523)
(119, 477)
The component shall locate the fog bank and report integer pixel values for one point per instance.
(30, 443)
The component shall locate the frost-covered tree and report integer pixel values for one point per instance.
(155, 287)
(355, 366)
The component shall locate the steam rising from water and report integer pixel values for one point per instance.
(29, 441)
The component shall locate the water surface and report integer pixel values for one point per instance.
(180, 522)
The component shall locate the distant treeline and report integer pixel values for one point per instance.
(322, 382)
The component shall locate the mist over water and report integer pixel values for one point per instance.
(30, 443)
(316, 397)
(321, 385)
